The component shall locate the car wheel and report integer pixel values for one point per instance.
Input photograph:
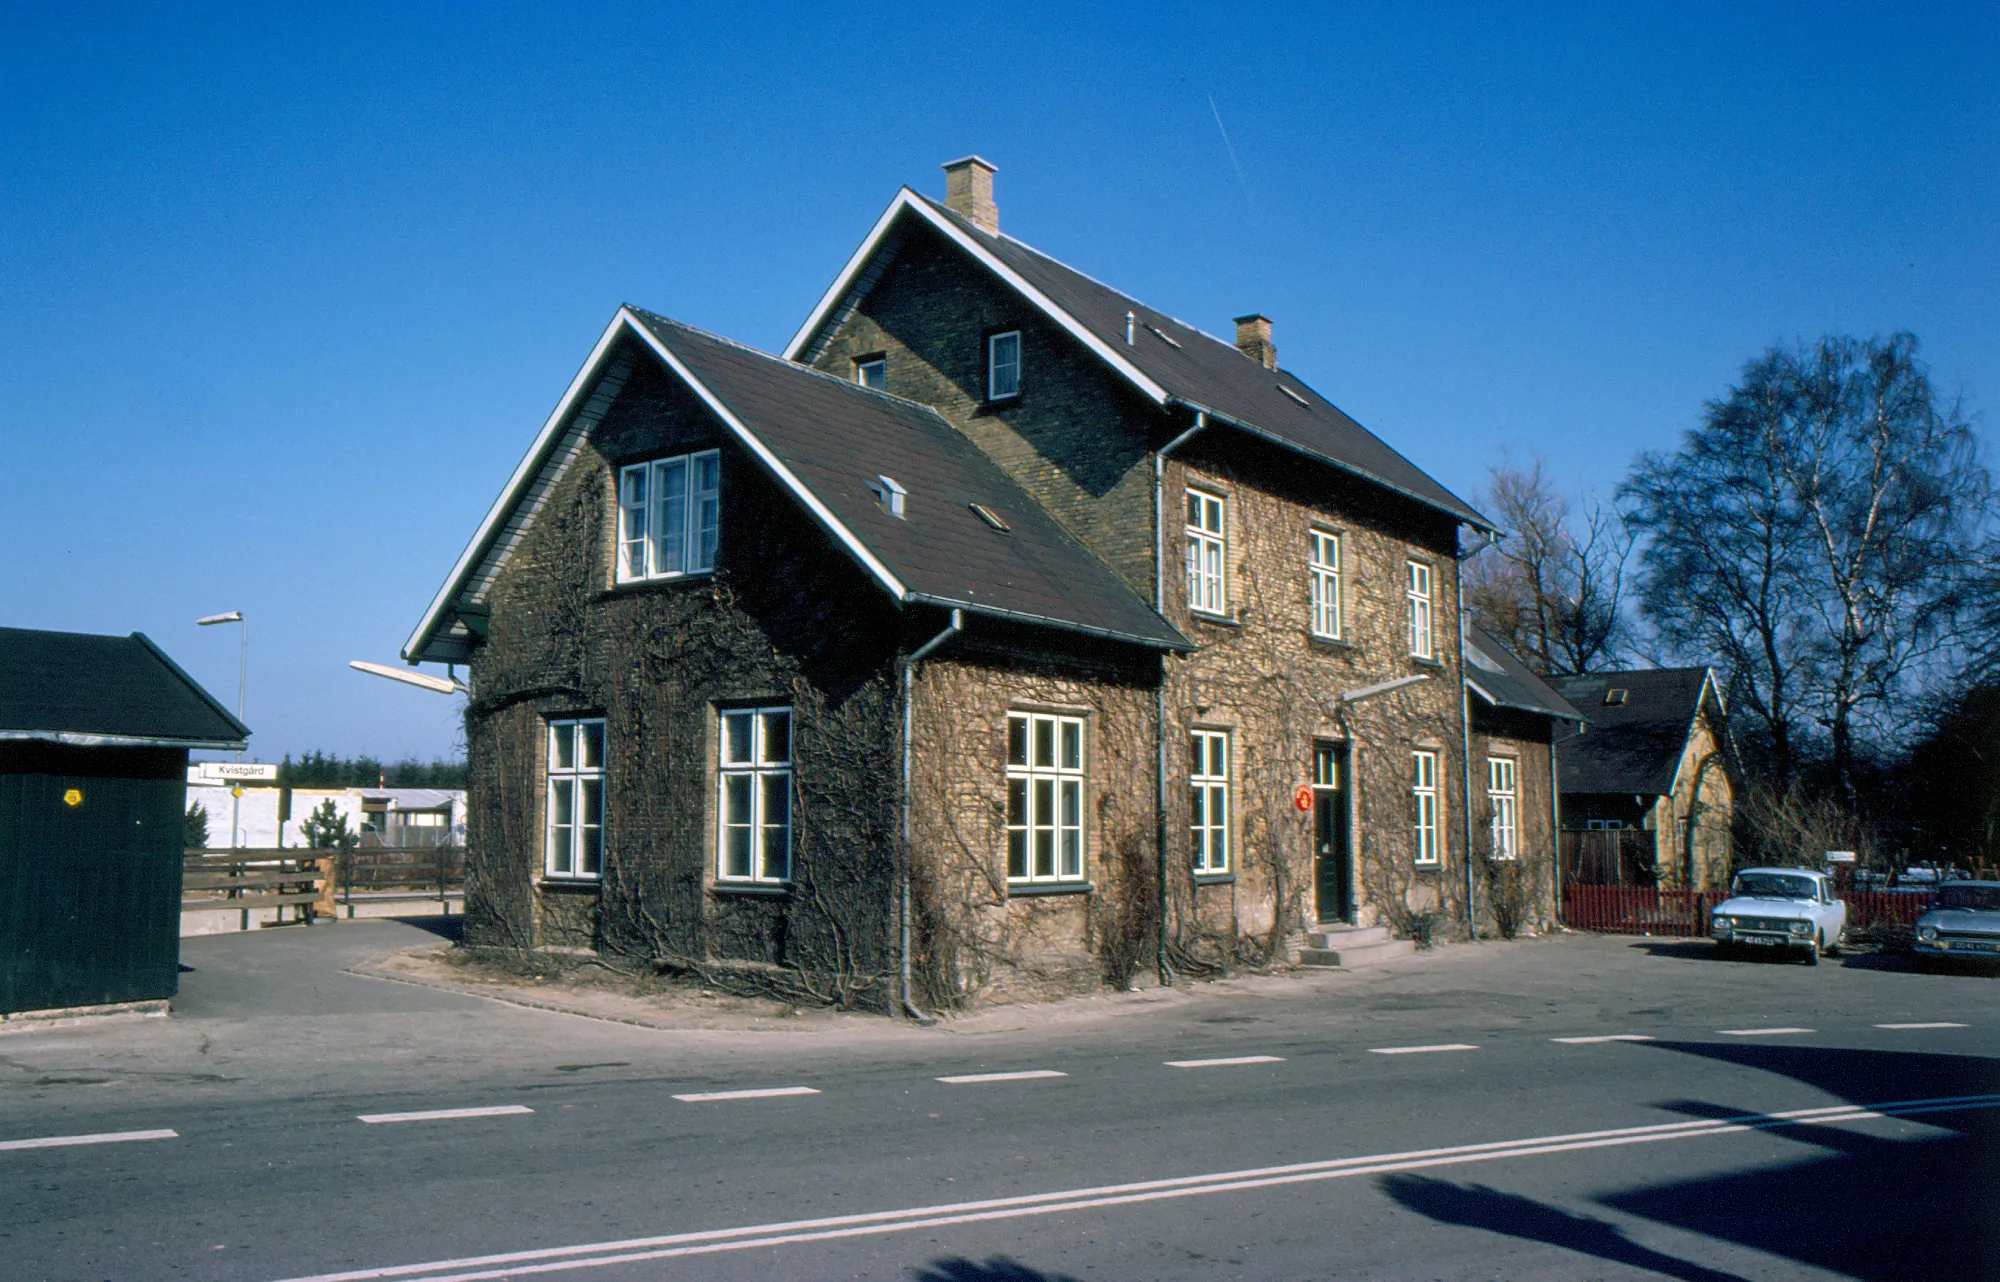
(1839, 942)
(1812, 952)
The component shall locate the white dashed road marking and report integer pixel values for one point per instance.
(968, 1079)
(1903, 1027)
(1761, 1032)
(1225, 1063)
(761, 1237)
(106, 1137)
(1421, 1050)
(1604, 1037)
(444, 1114)
(767, 1092)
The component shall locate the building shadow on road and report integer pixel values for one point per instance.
(996, 1268)
(1475, 1206)
(1865, 1201)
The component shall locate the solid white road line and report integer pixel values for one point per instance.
(1605, 1037)
(1902, 1027)
(968, 1079)
(632, 1250)
(106, 1137)
(1225, 1063)
(1422, 1050)
(444, 1114)
(765, 1092)
(1761, 1032)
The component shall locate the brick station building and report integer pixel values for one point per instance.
(1004, 638)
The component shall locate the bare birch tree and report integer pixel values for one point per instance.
(1822, 535)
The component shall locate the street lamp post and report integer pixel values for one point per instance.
(242, 677)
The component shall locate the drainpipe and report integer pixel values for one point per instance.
(1160, 696)
(1464, 745)
(917, 656)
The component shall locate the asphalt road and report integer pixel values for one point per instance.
(1435, 1120)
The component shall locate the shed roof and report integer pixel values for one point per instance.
(1495, 675)
(1167, 359)
(1631, 744)
(829, 441)
(92, 690)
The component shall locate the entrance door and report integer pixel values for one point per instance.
(1333, 871)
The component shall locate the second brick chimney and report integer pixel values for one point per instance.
(1253, 339)
(968, 192)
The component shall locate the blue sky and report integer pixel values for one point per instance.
(284, 294)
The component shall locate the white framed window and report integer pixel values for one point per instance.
(1003, 365)
(1206, 550)
(573, 845)
(669, 512)
(1324, 566)
(1424, 804)
(754, 795)
(1208, 800)
(1044, 798)
(1419, 593)
(1503, 796)
(871, 371)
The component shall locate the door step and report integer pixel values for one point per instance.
(1336, 944)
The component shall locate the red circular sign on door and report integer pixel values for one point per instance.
(1303, 798)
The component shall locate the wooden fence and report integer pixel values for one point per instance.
(292, 881)
(387, 874)
(1646, 910)
(304, 885)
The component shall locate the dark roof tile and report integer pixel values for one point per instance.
(1213, 375)
(838, 437)
(82, 685)
(1633, 745)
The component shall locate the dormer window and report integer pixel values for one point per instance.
(1003, 365)
(890, 495)
(872, 371)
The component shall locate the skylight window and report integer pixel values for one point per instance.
(1617, 694)
(989, 516)
(1164, 336)
(1294, 395)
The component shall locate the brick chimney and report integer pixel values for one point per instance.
(1253, 339)
(968, 192)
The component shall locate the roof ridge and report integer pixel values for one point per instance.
(1106, 286)
(797, 366)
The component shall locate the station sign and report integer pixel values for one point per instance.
(237, 771)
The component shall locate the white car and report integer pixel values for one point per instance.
(1793, 909)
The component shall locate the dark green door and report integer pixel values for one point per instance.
(1333, 870)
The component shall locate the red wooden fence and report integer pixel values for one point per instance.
(1644, 910)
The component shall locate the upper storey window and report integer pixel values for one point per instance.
(871, 371)
(1003, 365)
(1205, 547)
(1419, 593)
(1324, 568)
(669, 512)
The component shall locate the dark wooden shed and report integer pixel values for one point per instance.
(94, 740)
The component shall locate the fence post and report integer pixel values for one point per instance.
(328, 872)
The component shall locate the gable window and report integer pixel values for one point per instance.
(1205, 549)
(1419, 593)
(1502, 795)
(871, 371)
(1044, 797)
(573, 846)
(1424, 804)
(1208, 800)
(755, 795)
(1003, 365)
(669, 512)
(1324, 566)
